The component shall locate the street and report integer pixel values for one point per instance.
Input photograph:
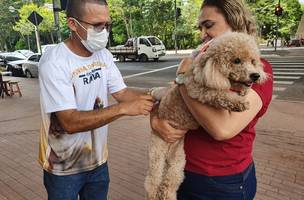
(278, 149)
(288, 75)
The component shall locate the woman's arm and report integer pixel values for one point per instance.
(220, 123)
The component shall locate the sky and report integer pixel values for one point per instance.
(301, 1)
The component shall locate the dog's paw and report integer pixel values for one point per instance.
(159, 92)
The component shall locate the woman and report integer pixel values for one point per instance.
(219, 154)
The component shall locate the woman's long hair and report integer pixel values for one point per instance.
(236, 14)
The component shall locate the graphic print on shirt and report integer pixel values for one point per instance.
(55, 127)
(97, 105)
(89, 73)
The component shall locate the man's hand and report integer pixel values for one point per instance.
(165, 129)
(141, 106)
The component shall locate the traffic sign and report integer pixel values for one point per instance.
(35, 18)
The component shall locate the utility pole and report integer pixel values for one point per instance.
(278, 12)
(175, 26)
(277, 34)
(37, 39)
(56, 10)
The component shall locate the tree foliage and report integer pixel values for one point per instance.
(263, 10)
(132, 18)
(7, 19)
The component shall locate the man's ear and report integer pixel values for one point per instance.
(72, 24)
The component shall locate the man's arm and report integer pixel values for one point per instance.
(128, 94)
(73, 121)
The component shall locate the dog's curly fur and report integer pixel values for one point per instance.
(232, 61)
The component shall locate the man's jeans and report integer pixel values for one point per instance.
(91, 185)
(240, 186)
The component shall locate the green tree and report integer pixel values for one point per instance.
(23, 26)
(187, 30)
(158, 19)
(46, 28)
(263, 11)
(132, 18)
(7, 36)
(121, 21)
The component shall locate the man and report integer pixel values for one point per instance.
(75, 77)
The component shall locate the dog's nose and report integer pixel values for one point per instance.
(254, 76)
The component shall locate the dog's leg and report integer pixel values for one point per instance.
(159, 92)
(235, 102)
(174, 175)
(227, 100)
(157, 155)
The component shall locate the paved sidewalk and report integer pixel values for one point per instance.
(278, 151)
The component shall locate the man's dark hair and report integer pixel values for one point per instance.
(75, 8)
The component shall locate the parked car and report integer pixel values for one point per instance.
(25, 52)
(7, 58)
(142, 48)
(30, 68)
(27, 67)
(10, 56)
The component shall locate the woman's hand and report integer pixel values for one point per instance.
(185, 64)
(165, 129)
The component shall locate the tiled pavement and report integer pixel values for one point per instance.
(278, 151)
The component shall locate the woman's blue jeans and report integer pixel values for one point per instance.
(240, 186)
(91, 185)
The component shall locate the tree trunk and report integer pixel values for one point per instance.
(126, 24)
(52, 37)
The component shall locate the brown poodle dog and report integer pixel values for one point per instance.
(221, 79)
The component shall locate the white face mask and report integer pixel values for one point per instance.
(95, 40)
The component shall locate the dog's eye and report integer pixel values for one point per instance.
(237, 61)
(253, 62)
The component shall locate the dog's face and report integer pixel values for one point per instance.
(232, 61)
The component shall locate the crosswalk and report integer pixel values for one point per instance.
(286, 73)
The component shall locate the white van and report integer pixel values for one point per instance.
(141, 48)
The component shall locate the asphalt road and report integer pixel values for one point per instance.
(288, 74)
(134, 72)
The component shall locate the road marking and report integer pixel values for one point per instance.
(149, 72)
(288, 73)
(283, 82)
(279, 89)
(285, 63)
(287, 77)
(291, 69)
(287, 66)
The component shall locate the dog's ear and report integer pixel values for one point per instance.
(210, 76)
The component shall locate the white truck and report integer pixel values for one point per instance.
(140, 48)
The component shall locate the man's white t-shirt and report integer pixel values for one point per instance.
(68, 81)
